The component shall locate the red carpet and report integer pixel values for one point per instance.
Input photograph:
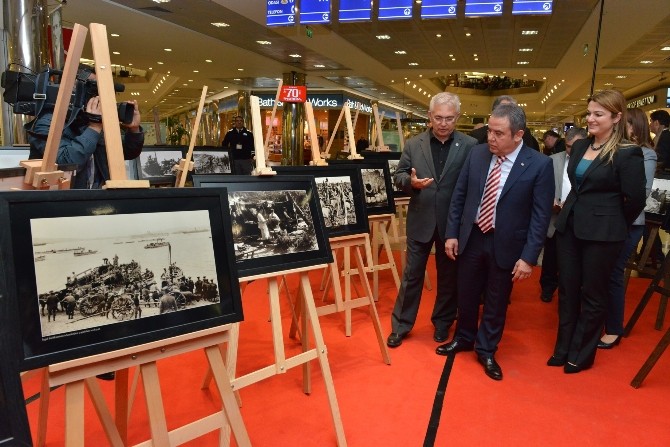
(391, 405)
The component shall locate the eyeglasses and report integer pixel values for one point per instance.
(445, 119)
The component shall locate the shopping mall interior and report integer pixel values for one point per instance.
(354, 390)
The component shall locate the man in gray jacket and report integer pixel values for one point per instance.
(427, 171)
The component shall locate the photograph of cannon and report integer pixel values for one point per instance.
(211, 161)
(105, 270)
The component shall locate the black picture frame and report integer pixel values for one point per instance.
(156, 164)
(289, 241)
(379, 199)
(657, 206)
(113, 233)
(348, 174)
(392, 159)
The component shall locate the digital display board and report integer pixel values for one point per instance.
(355, 10)
(280, 12)
(314, 11)
(434, 9)
(532, 6)
(395, 9)
(483, 8)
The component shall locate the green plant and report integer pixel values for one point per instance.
(176, 131)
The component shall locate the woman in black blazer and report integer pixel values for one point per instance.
(608, 193)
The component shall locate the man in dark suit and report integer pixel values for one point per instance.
(498, 220)
(427, 171)
(481, 133)
(659, 120)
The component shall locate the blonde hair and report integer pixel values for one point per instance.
(615, 103)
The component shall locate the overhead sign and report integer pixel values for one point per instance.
(314, 11)
(280, 12)
(641, 102)
(293, 93)
(438, 9)
(532, 6)
(355, 10)
(395, 9)
(478, 8)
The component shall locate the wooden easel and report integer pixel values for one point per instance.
(186, 164)
(401, 205)
(380, 224)
(651, 360)
(346, 114)
(282, 364)
(78, 375)
(662, 274)
(343, 301)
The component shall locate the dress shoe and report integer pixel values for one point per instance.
(555, 361)
(604, 345)
(571, 368)
(394, 340)
(546, 297)
(441, 335)
(491, 367)
(453, 347)
(106, 376)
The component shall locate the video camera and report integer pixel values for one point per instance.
(32, 94)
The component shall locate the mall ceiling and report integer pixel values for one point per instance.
(350, 56)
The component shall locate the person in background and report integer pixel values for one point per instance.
(553, 143)
(427, 171)
(498, 221)
(638, 133)
(481, 133)
(83, 143)
(659, 121)
(240, 142)
(549, 273)
(362, 144)
(608, 193)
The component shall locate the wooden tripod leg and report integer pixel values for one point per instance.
(74, 414)
(653, 287)
(45, 393)
(346, 269)
(374, 315)
(154, 400)
(230, 407)
(105, 417)
(322, 355)
(651, 361)
(123, 400)
(391, 259)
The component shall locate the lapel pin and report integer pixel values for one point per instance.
(522, 164)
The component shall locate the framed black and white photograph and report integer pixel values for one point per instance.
(340, 189)
(157, 164)
(104, 270)
(276, 222)
(211, 160)
(377, 184)
(658, 202)
(392, 159)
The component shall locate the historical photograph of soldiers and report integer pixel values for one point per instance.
(211, 162)
(93, 271)
(337, 200)
(268, 223)
(158, 163)
(657, 201)
(375, 187)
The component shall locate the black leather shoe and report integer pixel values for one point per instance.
(555, 361)
(441, 335)
(394, 340)
(491, 367)
(571, 368)
(603, 345)
(453, 346)
(546, 297)
(106, 376)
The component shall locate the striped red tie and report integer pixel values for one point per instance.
(485, 221)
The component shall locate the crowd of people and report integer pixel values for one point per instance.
(492, 202)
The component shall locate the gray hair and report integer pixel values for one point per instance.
(501, 99)
(515, 115)
(445, 98)
(575, 131)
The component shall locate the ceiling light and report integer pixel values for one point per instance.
(476, 58)
(522, 63)
(185, 85)
(646, 62)
(438, 35)
(240, 69)
(413, 63)
(167, 49)
(159, 63)
(319, 66)
(114, 35)
(529, 32)
(208, 60)
(665, 49)
(621, 77)
(264, 42)
(196, 71)
(383, 37)
(115, 52)
(161, 1)
(190, 80)
(295, 55)
(608, 83)
(220, 24)
(453, 59)
(468, 34)
(525, 50)
(236, 79)
(475, 55)
(400, 52)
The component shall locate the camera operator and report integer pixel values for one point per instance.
(83, 143)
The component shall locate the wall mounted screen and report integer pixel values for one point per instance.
(314, 12)
(280, 12)
(532, 6)
(438, 9)
(395, 9)
(479, 8)
(355, 10)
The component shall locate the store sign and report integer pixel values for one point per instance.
(641, 102)
(293, 93)
(280, 12)
(358, 105)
